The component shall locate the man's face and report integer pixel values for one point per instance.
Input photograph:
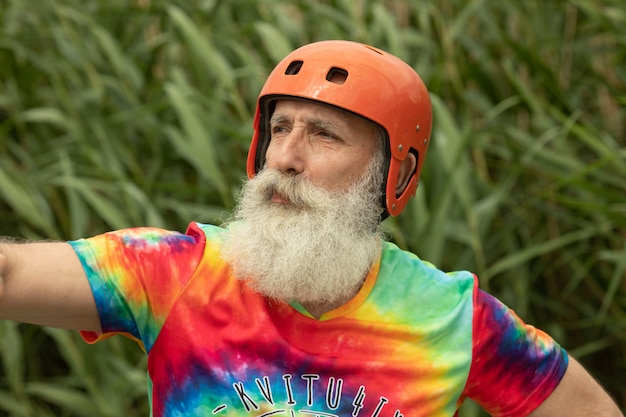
(307, 225)
(328, 146)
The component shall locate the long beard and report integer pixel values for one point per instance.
(315, 249)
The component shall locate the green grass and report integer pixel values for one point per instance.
(117, 113)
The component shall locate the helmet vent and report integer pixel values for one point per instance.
(294, 68)
(337, 75)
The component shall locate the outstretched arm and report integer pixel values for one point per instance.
(44, 283)
(577, 395)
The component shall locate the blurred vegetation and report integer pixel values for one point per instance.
(121, 113)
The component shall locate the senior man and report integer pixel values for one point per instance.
(297, 306)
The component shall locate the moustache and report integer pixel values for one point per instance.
(293, 190)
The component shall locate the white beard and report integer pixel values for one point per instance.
(317, 249)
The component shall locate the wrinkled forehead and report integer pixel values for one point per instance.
(324, 117)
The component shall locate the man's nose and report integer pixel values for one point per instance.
(286, 153)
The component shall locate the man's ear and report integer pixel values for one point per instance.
(407, 169)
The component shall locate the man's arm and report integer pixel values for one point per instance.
(577, 395)
(44, 283)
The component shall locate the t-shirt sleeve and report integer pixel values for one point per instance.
(136, 275)
(515, 366)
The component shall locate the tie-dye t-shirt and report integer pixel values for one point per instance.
(413, 342)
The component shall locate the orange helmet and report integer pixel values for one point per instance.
(372, 84)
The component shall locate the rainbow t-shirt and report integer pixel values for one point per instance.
(415, 341)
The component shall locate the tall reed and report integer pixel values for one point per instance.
(114, 114)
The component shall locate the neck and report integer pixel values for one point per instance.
(317, 309)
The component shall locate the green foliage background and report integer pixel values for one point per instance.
(138, 112)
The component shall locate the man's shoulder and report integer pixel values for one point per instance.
(204, 231)
(398, 261)
(412, 284)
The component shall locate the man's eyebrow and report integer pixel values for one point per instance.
(323, 124)
(317, 123)
(278, 118)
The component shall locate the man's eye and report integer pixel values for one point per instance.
(326, 134)
(278, 129)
